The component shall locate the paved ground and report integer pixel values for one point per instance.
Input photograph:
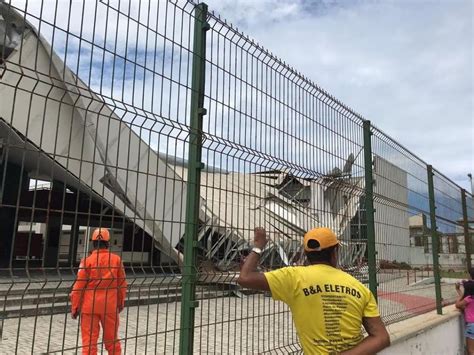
(399, 300)
(253, 324)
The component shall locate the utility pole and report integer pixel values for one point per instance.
(472, 186)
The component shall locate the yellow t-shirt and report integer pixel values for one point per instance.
(327, 305)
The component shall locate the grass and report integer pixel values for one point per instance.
(455, 274)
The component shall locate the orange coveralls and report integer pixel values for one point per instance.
(99, 295)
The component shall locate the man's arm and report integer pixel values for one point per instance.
(460, 302)
(122, 284)
(377, 339)
(78, 290)
(249, 276)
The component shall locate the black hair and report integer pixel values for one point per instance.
(323, 256)
(471, 272)
(100, 244)
(468, 288)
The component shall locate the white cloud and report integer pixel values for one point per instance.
(406, 66)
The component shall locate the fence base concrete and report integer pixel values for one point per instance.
(429, 333)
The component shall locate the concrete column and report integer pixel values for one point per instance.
(73, 242)
(53, 228)
(9, 190)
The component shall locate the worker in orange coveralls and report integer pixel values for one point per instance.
(98, 295)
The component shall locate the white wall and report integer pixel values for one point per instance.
(419, 257)
(428, 334)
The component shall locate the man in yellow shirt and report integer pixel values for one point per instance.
(328, 305)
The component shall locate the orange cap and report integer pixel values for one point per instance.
(318, 239)
(101, 234)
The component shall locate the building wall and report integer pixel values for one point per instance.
(446, 261)
(391, 215)
(422, 255)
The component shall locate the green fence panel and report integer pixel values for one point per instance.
(369, 207)
(164, 123)
(434, 240)
(197, 111)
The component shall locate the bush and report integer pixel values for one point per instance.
(385, 264)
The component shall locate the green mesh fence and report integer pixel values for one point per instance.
(165, 124)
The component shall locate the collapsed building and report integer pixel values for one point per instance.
(98, 171)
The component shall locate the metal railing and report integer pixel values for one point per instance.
(167, 125)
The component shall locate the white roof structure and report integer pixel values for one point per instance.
(235, 203)
(58, 128)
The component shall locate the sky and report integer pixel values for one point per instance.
(405, 65)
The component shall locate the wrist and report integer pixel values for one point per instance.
(257, 250)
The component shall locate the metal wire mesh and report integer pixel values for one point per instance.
(271, 136)
(95, 98)
(96, 107)
(452, 241)
(402, 235)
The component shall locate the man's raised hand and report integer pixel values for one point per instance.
(260, 238)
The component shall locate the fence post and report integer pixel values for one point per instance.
(467, 239)
(434, 241)
(197, 111)
(370, 211)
